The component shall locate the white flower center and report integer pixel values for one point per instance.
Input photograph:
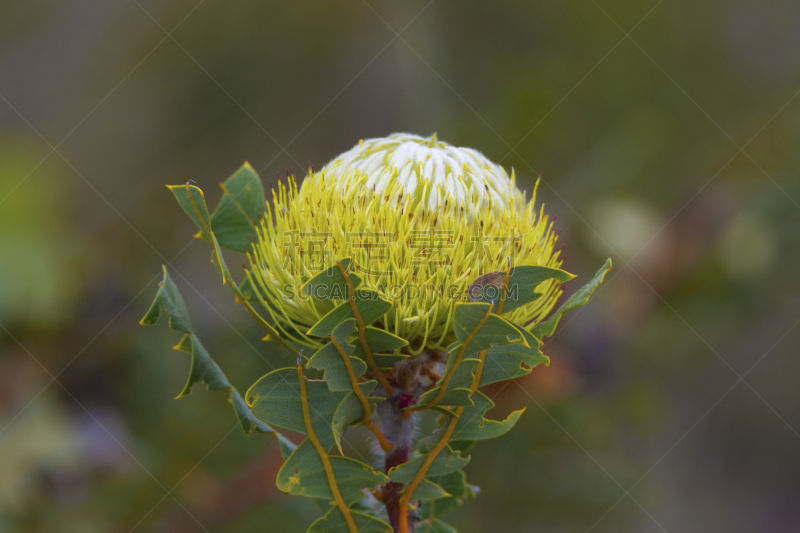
(427, 169)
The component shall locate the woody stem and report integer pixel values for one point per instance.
(399, 432)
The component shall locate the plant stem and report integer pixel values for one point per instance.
(391, 491)
(323, 455)
(400, 432)
(361, 332)
(385, 445)
(406, 526)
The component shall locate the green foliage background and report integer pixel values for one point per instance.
(625, 133)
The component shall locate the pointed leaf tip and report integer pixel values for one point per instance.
(578, 299)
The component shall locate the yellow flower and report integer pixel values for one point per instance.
(420, 220)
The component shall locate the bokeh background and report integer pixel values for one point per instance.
(666, 134)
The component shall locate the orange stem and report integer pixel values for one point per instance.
(478, 373)
(362, 336)
(504, 290)
(323, 455)
(385, 444)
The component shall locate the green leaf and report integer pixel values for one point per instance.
(428, 490)
(202, 367)
(458, 390)
(370, 306)
(522, 284)
(456, 484)
(242, 202)
(249, 422)
(435, 526)
(380, 340)
(512, 361)
(333, 522)
(463, 446)
(330, 284)
(496, 330)
(473, 426)
(581, 296)
(303, 474)
(193, 202)
(453, 397)
(351, 412)
(171, 300)
(433, 508)
(330, 360)
(445, 462)
(275, 399)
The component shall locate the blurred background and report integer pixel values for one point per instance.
(671, 403)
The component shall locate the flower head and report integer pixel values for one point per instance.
(420, 220)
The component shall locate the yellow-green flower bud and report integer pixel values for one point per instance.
(420, 220)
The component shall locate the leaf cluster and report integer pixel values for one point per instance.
(352, 356)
